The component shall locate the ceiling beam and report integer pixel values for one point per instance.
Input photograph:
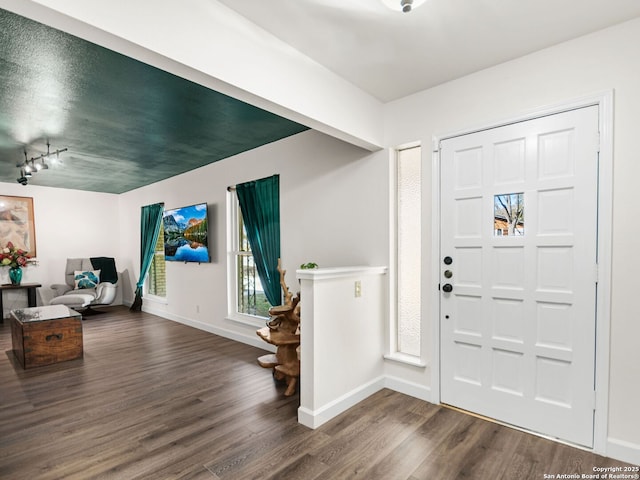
(206, 42)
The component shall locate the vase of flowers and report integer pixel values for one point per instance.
(15, 259)
(15, 275)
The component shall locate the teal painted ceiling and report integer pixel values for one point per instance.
(125, 124)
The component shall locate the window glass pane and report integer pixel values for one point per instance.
(250, 296)
(508, 214)
(409, 242)
(156, 279)
(243, 243)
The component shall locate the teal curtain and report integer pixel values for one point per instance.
(150, 221)
(260, 206)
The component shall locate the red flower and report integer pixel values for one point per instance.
(10, 256)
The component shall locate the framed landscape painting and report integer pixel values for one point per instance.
(186, 234)
(17, 224)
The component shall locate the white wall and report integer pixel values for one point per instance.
(606, 60)
(341, 339)
(333, 208)
(69, 223)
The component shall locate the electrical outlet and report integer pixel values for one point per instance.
(358, 289)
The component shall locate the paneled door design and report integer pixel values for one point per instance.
(519, 273)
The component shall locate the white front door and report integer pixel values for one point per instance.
(518, 273)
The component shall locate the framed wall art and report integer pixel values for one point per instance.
(17, 224)
(186, 234)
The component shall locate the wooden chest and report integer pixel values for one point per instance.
(46, 335)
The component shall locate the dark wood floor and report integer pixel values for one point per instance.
(153, 399)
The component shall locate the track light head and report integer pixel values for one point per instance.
(23, 180)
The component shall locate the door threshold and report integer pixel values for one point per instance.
(520, 429)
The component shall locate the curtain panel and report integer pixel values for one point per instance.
(150, 221)
(260, 206)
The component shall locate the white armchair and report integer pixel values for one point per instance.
(89, 282)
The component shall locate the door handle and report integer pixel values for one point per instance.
(447, 287)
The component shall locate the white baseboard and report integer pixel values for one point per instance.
(623, 451)
(252, 340)
(415, 390)
(313, 419)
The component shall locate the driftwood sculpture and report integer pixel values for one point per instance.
(283, 331)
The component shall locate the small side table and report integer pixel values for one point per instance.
(45, 335)
(31, 294)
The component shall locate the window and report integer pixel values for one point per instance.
(246, 293)
(406, 331)
(157, 277)
(508, 214)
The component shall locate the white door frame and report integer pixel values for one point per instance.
(604, 101)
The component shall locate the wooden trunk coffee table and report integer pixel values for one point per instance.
(46, 335)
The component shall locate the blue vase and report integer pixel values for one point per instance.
(15, 274)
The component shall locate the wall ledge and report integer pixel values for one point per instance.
(338, 272)
(406, 359)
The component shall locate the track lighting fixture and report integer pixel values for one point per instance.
(35, 164)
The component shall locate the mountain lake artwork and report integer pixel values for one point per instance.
(186, 234)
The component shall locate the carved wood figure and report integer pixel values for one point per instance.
(283, 331)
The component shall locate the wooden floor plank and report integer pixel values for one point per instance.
(431, 432)
(154, 399)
